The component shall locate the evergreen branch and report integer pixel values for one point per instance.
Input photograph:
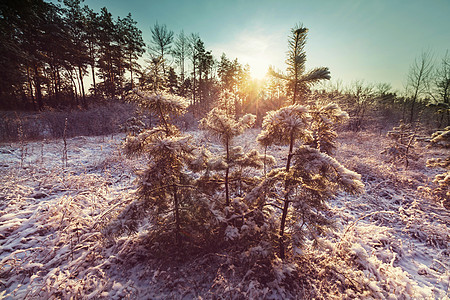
(316, 75)
(278, 75)
(274, 205)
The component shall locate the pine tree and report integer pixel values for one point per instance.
(132, 44)
(310, 177)
(325, 118)
(161, 43)
(298, 80)
(166, 186)
(219, 123)
(180, 52)
(108, 55)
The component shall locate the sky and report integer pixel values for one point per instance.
(375, 41)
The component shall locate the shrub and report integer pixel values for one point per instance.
(441, 139)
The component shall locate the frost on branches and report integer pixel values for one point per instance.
(220, 122)
(166, 193)
(401, 149)
(181, 189)
(325, 119)
(310, 177)
(441, 139)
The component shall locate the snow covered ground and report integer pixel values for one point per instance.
(52, 213)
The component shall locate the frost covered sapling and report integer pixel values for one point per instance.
(401, 148)
(310, 177)
(133, 126)
(165, 187)
(314, 176)
(225, 127)
(325, 118)
(285, 126)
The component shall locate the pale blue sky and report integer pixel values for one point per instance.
(375, 41)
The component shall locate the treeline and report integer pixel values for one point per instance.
(46, 50)
(181, 65)
(379, 106)
(426, 98)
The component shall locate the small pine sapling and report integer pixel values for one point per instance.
(265, 140)
(324, 120)
(401, 149)
(217, 123)
(166, 187)
(319, 177)
(310, 177)
(133, 126)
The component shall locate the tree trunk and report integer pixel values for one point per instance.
(294, 99)
(411, 117)
(58, 83)
(30, 86)
(82, 86)
(193, 86)
(131, 71)
(163, 120)
(52, 82)
(282, 226)
(286, 200)
(227, 194)
(74, 89)
(78, 78)
(177, 216)
(93, 79)
(37, 81)
(91, 52)
(291, 147)
(182, 68)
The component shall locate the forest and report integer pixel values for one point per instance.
(155, 170)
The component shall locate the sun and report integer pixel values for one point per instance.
(254, 51)
(259, 68)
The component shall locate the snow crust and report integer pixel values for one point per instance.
(51, 218)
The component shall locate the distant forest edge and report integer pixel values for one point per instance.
(46, 49)
(49, 52)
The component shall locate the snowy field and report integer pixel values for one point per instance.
(392, 240)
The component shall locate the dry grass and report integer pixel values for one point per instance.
(101, 120)
(392, 241)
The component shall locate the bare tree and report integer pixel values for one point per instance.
(441, 89)
(383, 88)
(192, 41)
(418, 80)
(161, 41)
(181, 51)
(363, 95)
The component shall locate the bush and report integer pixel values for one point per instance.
(100, 120)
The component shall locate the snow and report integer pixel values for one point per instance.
(393, 239)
